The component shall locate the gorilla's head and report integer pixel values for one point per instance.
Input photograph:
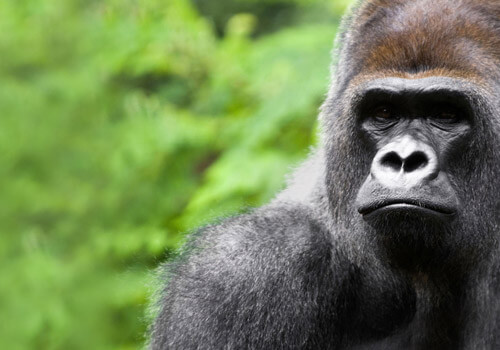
(411, 130)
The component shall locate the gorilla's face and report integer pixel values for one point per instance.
(418, 167)
(415, 129)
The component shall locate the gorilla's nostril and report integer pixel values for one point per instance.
(415, 161)
(392, 160)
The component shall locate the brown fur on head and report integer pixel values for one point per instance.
(425, 37)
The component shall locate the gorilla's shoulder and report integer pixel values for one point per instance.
(253, 281)
(271, 238)
(275, 230)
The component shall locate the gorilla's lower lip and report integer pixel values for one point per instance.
(408, 204)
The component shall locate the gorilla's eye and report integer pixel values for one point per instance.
(383, 112)
(446, 114)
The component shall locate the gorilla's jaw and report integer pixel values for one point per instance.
(412, 240)
(422, 241)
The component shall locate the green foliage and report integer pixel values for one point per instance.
(127, 123)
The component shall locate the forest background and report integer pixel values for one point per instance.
(126, 124)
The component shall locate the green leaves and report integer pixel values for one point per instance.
(126, 124)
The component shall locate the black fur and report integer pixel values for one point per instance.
(308, 271)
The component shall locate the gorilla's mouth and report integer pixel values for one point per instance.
(406, 205)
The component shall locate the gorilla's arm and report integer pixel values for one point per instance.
(266, 280)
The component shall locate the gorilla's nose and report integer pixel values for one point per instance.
(405, 162)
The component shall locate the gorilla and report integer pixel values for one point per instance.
(387, 236)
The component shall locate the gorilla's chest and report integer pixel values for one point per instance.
(401, 314)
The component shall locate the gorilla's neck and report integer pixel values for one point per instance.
(411, 287)
(410, 305)
(417, 249)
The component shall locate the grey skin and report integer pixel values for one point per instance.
(385, 238)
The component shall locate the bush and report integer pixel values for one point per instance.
(124, 125)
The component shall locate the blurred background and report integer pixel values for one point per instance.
(124, 125)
